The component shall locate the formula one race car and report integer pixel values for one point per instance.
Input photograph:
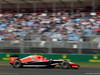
(39, 60)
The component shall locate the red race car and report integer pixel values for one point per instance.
(39, 60)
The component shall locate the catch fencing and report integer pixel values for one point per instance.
(86, 45)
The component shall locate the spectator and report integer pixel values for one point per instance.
(58, 27)
(98, 30)
(43, 41)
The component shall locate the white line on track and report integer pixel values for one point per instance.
(9, 74)
(92, 73)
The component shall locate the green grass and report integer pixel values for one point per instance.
(4, 62)
(82, 64)
(88, 64)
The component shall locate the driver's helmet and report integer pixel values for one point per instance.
(45, 58)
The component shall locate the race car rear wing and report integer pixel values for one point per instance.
(13, 58)
(16, 56)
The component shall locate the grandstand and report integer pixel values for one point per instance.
(48, 26)
(43, 5)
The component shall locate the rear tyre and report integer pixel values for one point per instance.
(65, 65)
(17, 64)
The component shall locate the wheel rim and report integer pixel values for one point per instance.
(64, 65)
(17, 64)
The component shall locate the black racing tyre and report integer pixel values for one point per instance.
(65, 65)
(17, 64)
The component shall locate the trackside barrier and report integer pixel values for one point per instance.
(71, 58)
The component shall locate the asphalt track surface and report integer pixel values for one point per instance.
(9, 70)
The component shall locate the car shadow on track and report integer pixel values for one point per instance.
(42, 68)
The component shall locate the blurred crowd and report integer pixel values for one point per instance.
(55, 26)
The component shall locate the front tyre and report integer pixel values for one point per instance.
(65, 65)
(17, 64)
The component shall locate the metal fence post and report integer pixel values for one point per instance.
(21, 46)
(34, 6)
(79, 46)
(50, 47)
(18, 6)
(72, 8)
(0, 6)
(54, 8)
(93, 5)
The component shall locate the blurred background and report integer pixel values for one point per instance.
(50, 26)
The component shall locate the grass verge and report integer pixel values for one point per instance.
(4, 62)
(88, 64)
(82, 64)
